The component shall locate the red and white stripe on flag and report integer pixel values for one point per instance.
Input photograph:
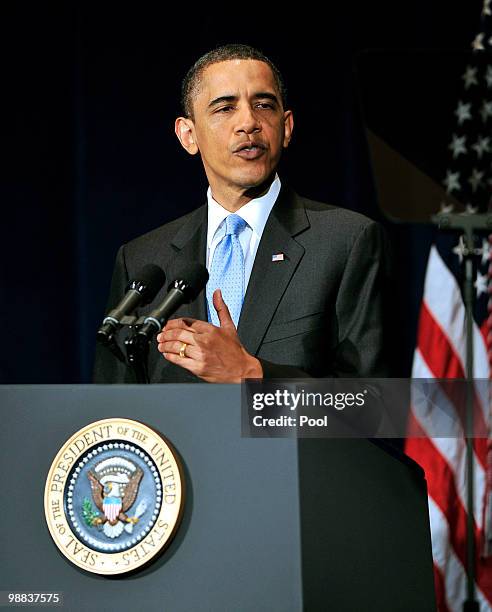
(441, 353)
(111, 510)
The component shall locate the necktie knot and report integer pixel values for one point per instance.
(234, 224)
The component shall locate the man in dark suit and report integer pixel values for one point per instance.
(306, 291)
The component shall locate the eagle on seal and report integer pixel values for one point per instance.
(114, 493)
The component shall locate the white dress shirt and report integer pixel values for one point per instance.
(255, 213)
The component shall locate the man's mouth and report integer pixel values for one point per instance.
(250, 150)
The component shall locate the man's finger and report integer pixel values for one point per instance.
(193, 325)
(175, 347)
(184, 362)
(223, 313)
(181, 334)
(181, 323)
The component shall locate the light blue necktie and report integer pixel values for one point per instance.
(227, 271)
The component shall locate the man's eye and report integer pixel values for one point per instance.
(224, 109)
(264, 105)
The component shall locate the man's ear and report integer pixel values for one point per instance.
(288, 127)
(185, 131)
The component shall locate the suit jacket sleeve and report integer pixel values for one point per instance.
(358, 312)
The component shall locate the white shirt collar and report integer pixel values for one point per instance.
(255, 212)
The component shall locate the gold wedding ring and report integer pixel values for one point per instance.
(182, 350)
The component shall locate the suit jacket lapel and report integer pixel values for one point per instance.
(269, 279)
(191, 243)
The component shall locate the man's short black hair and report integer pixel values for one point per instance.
(192, 79)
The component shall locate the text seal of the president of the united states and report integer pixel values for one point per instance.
(114, 496)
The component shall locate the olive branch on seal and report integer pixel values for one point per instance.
(88, 512)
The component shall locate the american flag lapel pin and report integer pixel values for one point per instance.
(278, 257)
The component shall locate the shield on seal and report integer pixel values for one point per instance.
(111, 508)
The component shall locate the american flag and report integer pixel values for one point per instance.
(441, 343)
(278, 257)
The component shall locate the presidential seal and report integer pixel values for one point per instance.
(113, 497)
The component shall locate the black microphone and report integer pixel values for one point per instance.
(190, 277)
(140, 291)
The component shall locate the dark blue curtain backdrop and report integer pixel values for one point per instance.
(89, 98)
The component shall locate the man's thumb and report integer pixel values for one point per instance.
(223, 313)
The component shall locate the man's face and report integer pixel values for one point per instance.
(239, 125)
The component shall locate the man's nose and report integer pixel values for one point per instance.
(248, 121)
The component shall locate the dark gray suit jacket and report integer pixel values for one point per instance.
(317, 313)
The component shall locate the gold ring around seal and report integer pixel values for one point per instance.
(182, 350)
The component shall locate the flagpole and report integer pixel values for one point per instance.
(468, 224)
(471, 604)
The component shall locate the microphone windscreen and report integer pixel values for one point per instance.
(152, 278)
(191, 275)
